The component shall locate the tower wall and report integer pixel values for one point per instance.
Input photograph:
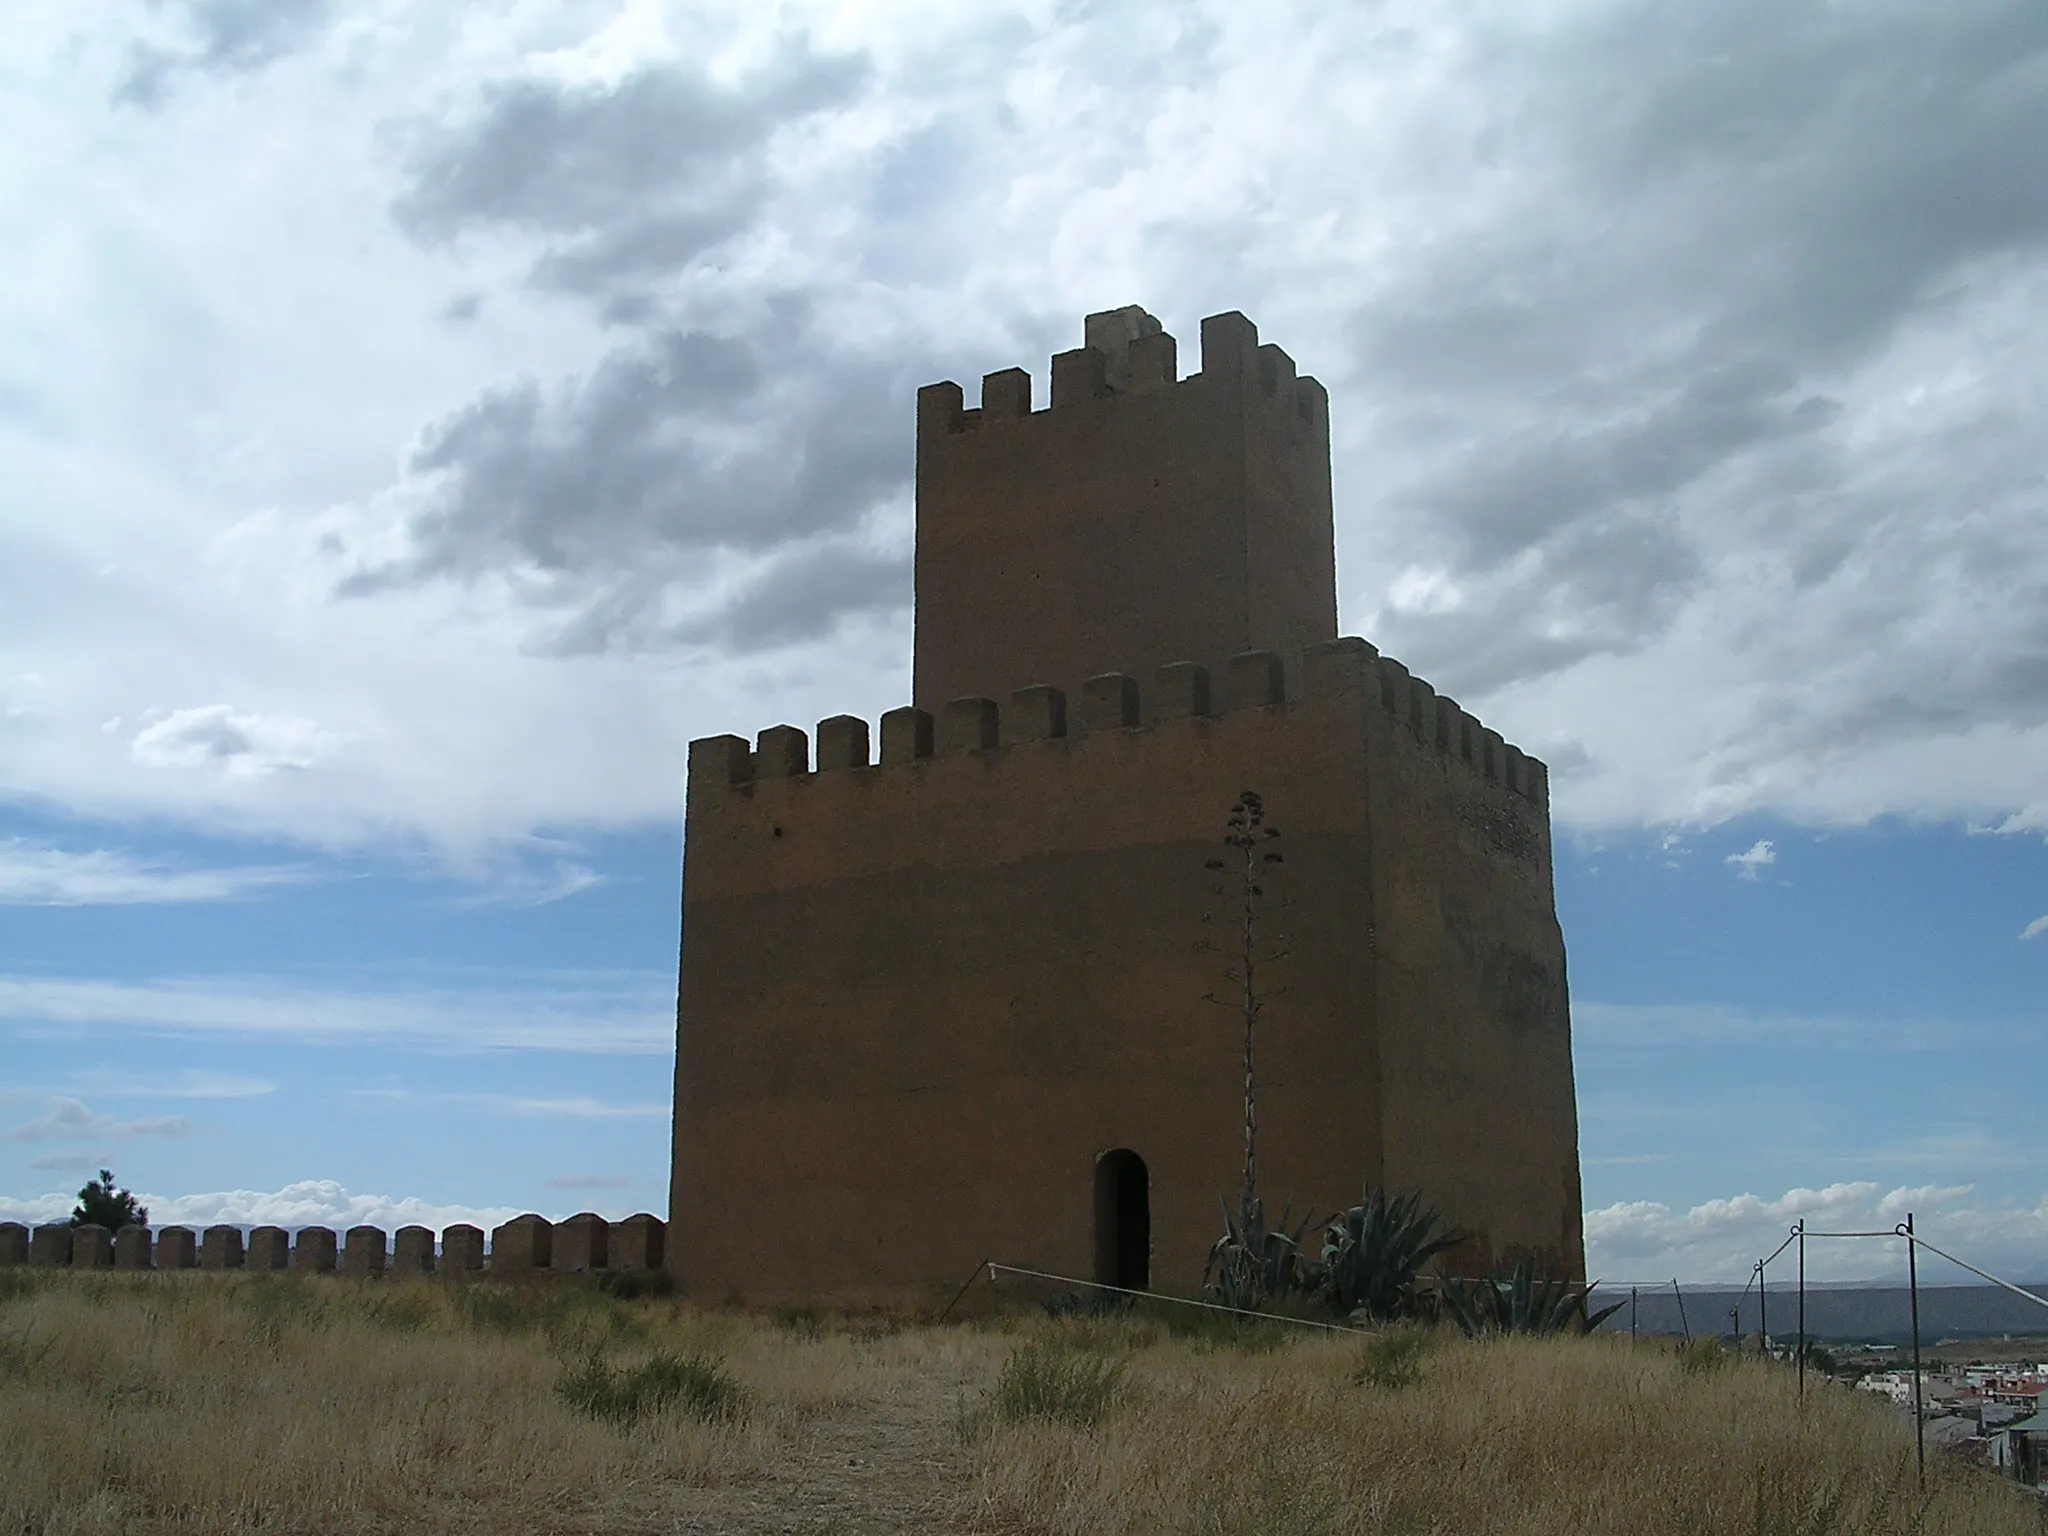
(919, 998)
(1137, 519)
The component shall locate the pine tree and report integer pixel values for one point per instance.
(102, 1205)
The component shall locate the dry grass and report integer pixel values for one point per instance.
(207, 1402)
(1419, 1433)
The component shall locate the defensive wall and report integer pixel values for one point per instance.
(525, 1246)
(922, 996)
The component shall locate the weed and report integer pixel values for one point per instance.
(1785, 1508)
(635, 1284)
(1044, 1380)
(804, 1322)
(1701, 1357)
(565, 1313)
(278, 1305)
(404, 1309)
(695, 1384)
(19, 1359)
(1207, 1328)
(17, 1283)
(1094, 1304)
(1392, 1360)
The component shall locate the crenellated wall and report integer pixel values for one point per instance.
(928, 979)
(363, 1252)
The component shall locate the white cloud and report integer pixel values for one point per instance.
(590, 1181)
(608, 1014)
(1719, 1240)
(69, 1120)
(2035, 929)
(239, 745)
(188, 1084)
(74, 1161)
(513, 887)
(38, 875)
(580, 1108)
(1692, 526)
(1626, 1026)
(1759, 855)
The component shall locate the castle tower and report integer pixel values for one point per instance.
(944, 994)
(1140, 519)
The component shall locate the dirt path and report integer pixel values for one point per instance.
(893, 1463)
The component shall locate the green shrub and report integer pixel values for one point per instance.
(1058, 1385)
(694, 1384)
(1392, 1360)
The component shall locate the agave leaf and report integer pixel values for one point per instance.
(1373, 1253)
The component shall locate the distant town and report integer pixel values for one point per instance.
(1983, 1410)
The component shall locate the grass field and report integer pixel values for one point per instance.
(188, 1402)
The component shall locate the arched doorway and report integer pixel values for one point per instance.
(1123, 1220)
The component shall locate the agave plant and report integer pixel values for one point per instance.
(1253, 1265)
(1373, 1252)
(1526, 1301)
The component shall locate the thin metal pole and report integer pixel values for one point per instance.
(1802, 1305)
(1681, 1309)
(1763, 1310)
(1251, 1014)
(1913, 1287)
(979, 1270)
(1631, 1314)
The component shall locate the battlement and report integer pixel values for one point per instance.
(1137, 519)
(1115, 701)
(525, 1245)
(1126, 355)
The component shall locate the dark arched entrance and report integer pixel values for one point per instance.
(1123, 1220)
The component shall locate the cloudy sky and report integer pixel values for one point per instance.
(417, 421)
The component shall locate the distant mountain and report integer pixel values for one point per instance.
(1872, 1314)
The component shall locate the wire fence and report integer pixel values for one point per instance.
(1796, 1239)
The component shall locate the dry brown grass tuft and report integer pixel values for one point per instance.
(207, 1402)
(1528, 1436)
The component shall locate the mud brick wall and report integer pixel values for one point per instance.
(920, 998)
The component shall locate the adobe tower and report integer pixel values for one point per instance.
(951, 1004)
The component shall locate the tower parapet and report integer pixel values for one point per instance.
(1116, 701)
(1137, 519)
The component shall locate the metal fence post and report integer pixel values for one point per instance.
(1801, 1230)
(1763, 1308)
(1913, 1290)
